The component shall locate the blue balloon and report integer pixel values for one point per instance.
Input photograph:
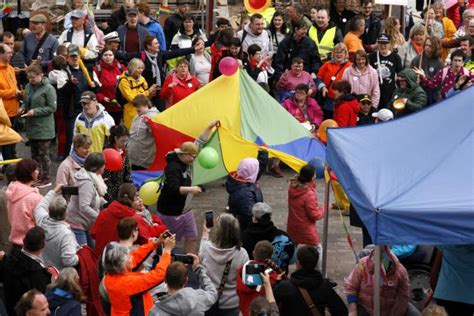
(318, 164)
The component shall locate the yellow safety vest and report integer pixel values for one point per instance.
(327, 42)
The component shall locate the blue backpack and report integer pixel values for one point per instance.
(283, 251)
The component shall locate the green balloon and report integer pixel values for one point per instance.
(208, 158)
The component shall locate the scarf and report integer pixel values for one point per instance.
(418, 48)
(100, 186)
(154, 67)
(80, 160)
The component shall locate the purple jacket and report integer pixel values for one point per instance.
(314, 112)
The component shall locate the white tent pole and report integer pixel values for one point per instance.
(377, 281)
(327, 187)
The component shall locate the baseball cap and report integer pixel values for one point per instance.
(365, 98)
(189, 148)
(78, 14)
(132, 11)
(383, 38)
(383, 115)
(261, 209)
(88, 96)
(39, 18)
(73, 50)
(112, 37)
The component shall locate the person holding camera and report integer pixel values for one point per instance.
(50, 214)
(182, 300)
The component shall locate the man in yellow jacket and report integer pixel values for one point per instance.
(324, 33)
(9, 94)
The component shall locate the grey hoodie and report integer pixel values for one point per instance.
(214, 260)
(188, 301)
(141, 148)
(263, 40)
(61, 245)
(81, 209)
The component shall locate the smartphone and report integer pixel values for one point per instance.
(183, 258)
(166, 234)
(70, 190)
(209, 215)
(252, 275)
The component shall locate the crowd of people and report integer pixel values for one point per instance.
(90, 245)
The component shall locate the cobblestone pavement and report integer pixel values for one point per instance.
(340, 259)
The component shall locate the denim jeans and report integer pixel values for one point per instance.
(83, 237)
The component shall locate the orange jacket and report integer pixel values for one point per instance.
(328, 70)
(8, 88)
(122, 287)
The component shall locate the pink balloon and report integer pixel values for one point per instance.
(228, 66)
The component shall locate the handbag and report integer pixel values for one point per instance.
(309, 302)
(213, 310)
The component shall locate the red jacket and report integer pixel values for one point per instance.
(346, 110)
(147, 231)
(182, 88)
(104, 230)
(248, 294)
(314, 112)
(89, 279)
(303, 212)
(108, 76)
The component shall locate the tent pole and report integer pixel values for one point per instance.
(325, 227)
(377, 281)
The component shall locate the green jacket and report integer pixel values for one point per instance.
(416, 96)
(42, 100)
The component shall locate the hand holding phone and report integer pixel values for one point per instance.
(209, 217)
(186, 259)
(70, 190)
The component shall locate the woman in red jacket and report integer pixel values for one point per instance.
(149, 225)
(346, 106)
(303, 209)
(108, 70)
(179, 84)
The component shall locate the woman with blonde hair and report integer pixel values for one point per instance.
(330, 72)
(448, 27)
(131, 84)
(392, 27)
(65, 295)
(414, 46)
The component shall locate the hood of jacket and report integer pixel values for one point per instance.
(222, 256)
(232, 184)
(262, 231)
(182, 302)
(58, 297)
(298, 189)
(119, 210)
(410, 76)
(89, 121)
(249, 31)
(82, 176)
(17, 191)
(54, 228)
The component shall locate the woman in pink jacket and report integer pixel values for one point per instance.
(363, 78)
(394, 292)
(304, 108)
(22, 199)
(303, 209)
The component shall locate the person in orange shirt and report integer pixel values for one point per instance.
(9, 93)
(352, 39)
(122, 282)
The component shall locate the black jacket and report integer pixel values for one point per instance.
(172, 25)
(320, 289)
(289, 49)
(372, 31)
(62, 303)
(171, 202)
(21, 274)
(342, 20)
(117, 18)
(242, 197)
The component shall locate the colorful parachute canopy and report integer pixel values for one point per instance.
(7, 134)
(250, 118)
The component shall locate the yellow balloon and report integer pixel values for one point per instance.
(149, 192)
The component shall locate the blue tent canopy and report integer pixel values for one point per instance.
(411, 180)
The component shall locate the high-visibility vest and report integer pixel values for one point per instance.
(327, 42)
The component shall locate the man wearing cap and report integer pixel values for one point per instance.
(174, 21)
(177, 192)
(132, 34)
(81, 36)
(387, 64)
(364, 117)
(262, 228)
(39, 46)
(151, 24)
(324, 33)
(69, 94)
(383, 115)
(93, 121)
(112, 41)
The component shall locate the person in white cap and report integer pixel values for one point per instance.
(383, 115)
(112, 41)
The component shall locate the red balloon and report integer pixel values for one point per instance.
(228, 66)
(257, 4)
(113, 160)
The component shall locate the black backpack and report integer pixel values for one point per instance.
(121, 100)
